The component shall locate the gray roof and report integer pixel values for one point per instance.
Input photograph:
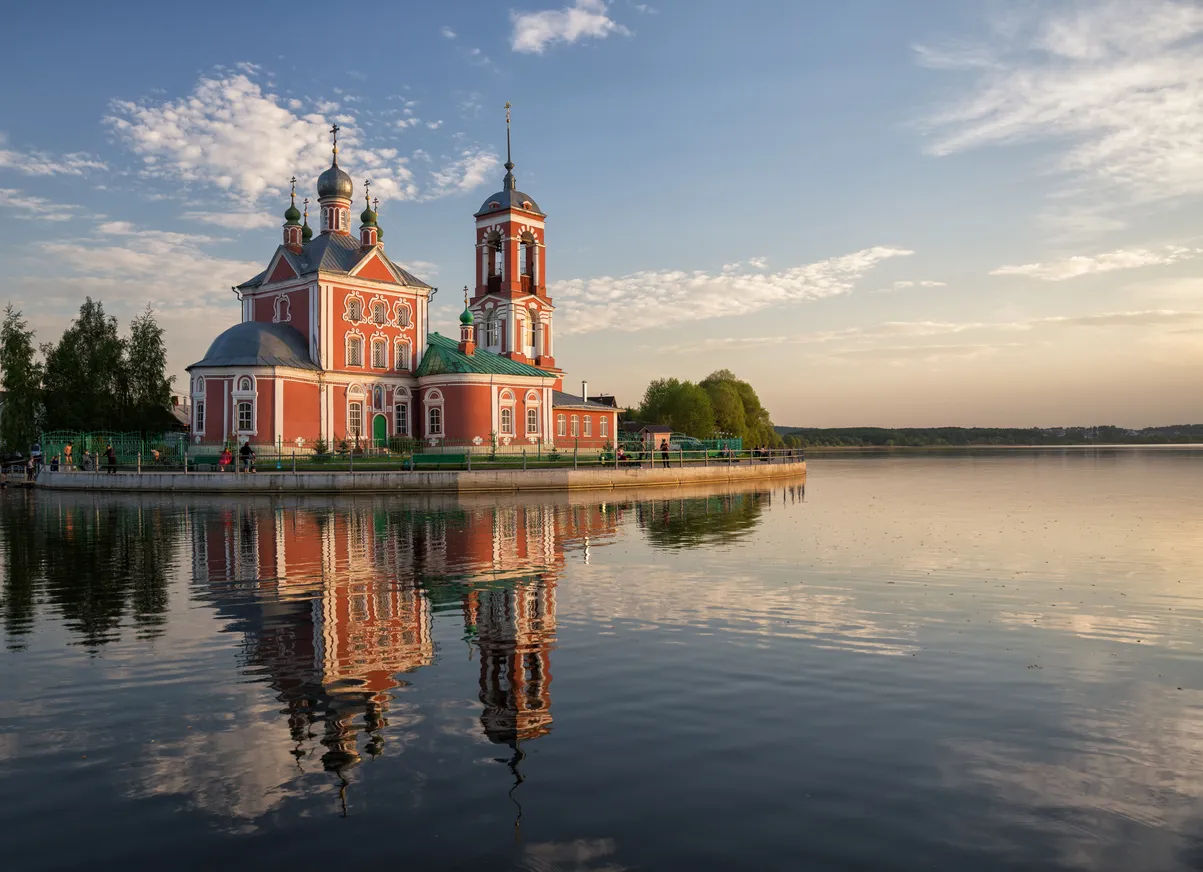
(334, 253)
(510, 199)
(559, 399)
(257, 343)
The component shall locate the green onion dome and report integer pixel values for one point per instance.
(465, 318)
(367, 218)
(292, 215)
(306, 231)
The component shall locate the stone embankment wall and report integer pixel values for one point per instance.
(475, 481)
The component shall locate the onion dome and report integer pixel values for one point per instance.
(466, 318)
(292, 215)
(334, 183)
(367, 217)
(306, 230)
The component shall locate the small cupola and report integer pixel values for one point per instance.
(306, 230)
(369, 233)
(292, 220)
(467, 332)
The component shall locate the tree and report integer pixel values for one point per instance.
(684, 406)
(146, 375)
(21, 378)
(757, 426)
(85, 384)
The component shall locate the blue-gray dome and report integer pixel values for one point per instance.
(257, 343)
(510, 199)
(334, 183)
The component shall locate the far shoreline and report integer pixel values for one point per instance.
(844, 449)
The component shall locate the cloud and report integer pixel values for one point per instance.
(1116, 86)
(1082, 265)
(644, 9)
(420, 268)
(907, 284)
(657, 298)
(236, 220)
(464, 173)
(39, 207)
(233, 134)
(40, 163)
(447, 32)
(534, 31)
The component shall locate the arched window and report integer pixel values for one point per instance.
(603, 426)
(523, 254)
(283, 309)
(355, 309)
(435, 421)
(401, 419)
(379, 313)
(532, 422)
(200, 384)
(507, 421)
(496, 256)
(380, 353)
(246, 417)
(244, 384)
(492, 330)
(576, 425)
(401, 355)
(403, 315)
(354, 419)
(354, 350)
(200, 416)
(588, 425)
(560, 422)
(527, 326)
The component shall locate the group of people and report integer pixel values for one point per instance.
(246, 455)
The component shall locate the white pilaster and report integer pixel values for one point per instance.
(493, 407)
(278, 408)
(225, 408)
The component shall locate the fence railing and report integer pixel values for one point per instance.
(383, 461)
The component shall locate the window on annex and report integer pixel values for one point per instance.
(560, 425)
(434, 421)
(200, 417)
(246, 417)
(401, 355)
(402, 315)
(355, 420)
(283, 310)
(355, 309)
(603, 427)
(401, 419)
(354, 351)
(507, 422)
(588, 425)
(379, 313)
(576, 425)
(532, 421)
(379, 353)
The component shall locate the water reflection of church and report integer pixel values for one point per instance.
(337, 605)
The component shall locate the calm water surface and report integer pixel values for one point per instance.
(976, 661)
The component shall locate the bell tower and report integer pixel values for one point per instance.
(510, 306)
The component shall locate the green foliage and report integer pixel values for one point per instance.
(21, 379)
(321, 448)
(95, 380)
(684, 406)
(757, 426)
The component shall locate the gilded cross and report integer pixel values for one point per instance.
(367, 186)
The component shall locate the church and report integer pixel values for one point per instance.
(334, 342)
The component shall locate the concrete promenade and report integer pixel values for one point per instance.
(452, 481)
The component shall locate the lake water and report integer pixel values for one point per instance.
(978, 661)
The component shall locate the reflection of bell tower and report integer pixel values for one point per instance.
(516, 631)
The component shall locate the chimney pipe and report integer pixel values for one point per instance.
(585, 391)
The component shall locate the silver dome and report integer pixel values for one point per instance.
(335, 183)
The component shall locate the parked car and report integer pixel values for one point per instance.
(681, 442)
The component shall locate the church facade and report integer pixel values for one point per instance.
(334, 342)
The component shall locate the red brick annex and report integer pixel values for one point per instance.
(334, 342)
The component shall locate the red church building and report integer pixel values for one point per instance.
(334, 342)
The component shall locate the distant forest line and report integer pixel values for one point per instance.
(923, 437)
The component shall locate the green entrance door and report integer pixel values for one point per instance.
(379, 431)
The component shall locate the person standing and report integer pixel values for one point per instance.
(111, 453)
(664, 452)
(67, 459)
(246, 454)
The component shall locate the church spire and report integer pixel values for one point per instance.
(292, 219)
(510, 183)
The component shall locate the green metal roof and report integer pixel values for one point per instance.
(443, 356)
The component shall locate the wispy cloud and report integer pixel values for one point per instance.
(464, 172)
(1084, 265)
(907, 284)
(39, 207)
(236, 220)
(447, 33)
(40, 163)
(657, 298)
(1116, 86)
(534, 31)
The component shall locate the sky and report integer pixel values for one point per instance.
(878, 212)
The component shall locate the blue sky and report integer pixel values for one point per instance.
(876, 211)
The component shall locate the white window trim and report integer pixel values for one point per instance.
(238, 428)
(434, 400)
(402, 405)
(379, 342)
(532, 410)
(587, 432)
(400, 357)
(603, 427)
(198, 416)
(353, 334)
(561, 425)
